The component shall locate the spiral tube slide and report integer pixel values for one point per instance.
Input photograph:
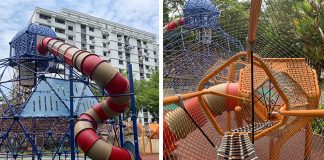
(177, 124)
(106, 76)
(173, 24)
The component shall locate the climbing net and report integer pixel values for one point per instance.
(205, 45)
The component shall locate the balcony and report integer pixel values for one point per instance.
(140, 52)
(142, 70)
(140, 60)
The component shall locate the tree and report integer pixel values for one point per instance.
(147, 94)
(308, 28)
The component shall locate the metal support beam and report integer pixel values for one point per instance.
(133, 108)
(72, 145)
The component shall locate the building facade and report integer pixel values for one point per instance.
(117, 43)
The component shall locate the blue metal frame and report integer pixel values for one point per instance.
(23, 49)
(133, 108)
(72, 146)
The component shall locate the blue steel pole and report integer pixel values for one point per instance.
(133, 108)
(121, 133)
(72, 146)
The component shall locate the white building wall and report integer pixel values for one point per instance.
(103, 27)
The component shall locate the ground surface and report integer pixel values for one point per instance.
(150, 157)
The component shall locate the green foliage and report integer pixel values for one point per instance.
(147, 94)
(318, 124)
(308, 28)
(171, 9)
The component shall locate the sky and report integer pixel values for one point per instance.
(140, 14)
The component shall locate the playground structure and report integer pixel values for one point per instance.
(148, 134)
(48, 99)
(224, 101)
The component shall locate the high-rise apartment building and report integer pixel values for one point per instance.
(118, 43)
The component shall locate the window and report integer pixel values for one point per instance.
(144, 110)
(83, 26)
(104, 44)
(61, 21)
(144, 43)
(70, 38)
(120, 53)
(154, 52)
(155, 60)
(146, 59)
(59, 30)
(42, 16)
(127, 54)
(147, 75)
(146, 120)
(83, 45)
(141, 74)
(91, 29)
(91, 37)
(121, 62)
(156, 68)
(118, 36)
(105, 53)
(92, 47)
(119, 45)
(104, 37)
(70, 28)
(141, 66)
(147, 67)
(145, 50)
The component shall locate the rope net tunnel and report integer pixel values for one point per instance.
(213, 109)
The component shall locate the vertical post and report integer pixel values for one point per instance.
(34, 141)
(252, 94)
(72, 146)
(133, 108)
(121, 133)
(308, 141)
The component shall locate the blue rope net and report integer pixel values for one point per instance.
(35, 101)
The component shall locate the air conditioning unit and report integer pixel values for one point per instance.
(120, 47)
(119, 38)
(120, 56)
(49, 20)
(93, 41)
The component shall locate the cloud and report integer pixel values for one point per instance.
(15, 15)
